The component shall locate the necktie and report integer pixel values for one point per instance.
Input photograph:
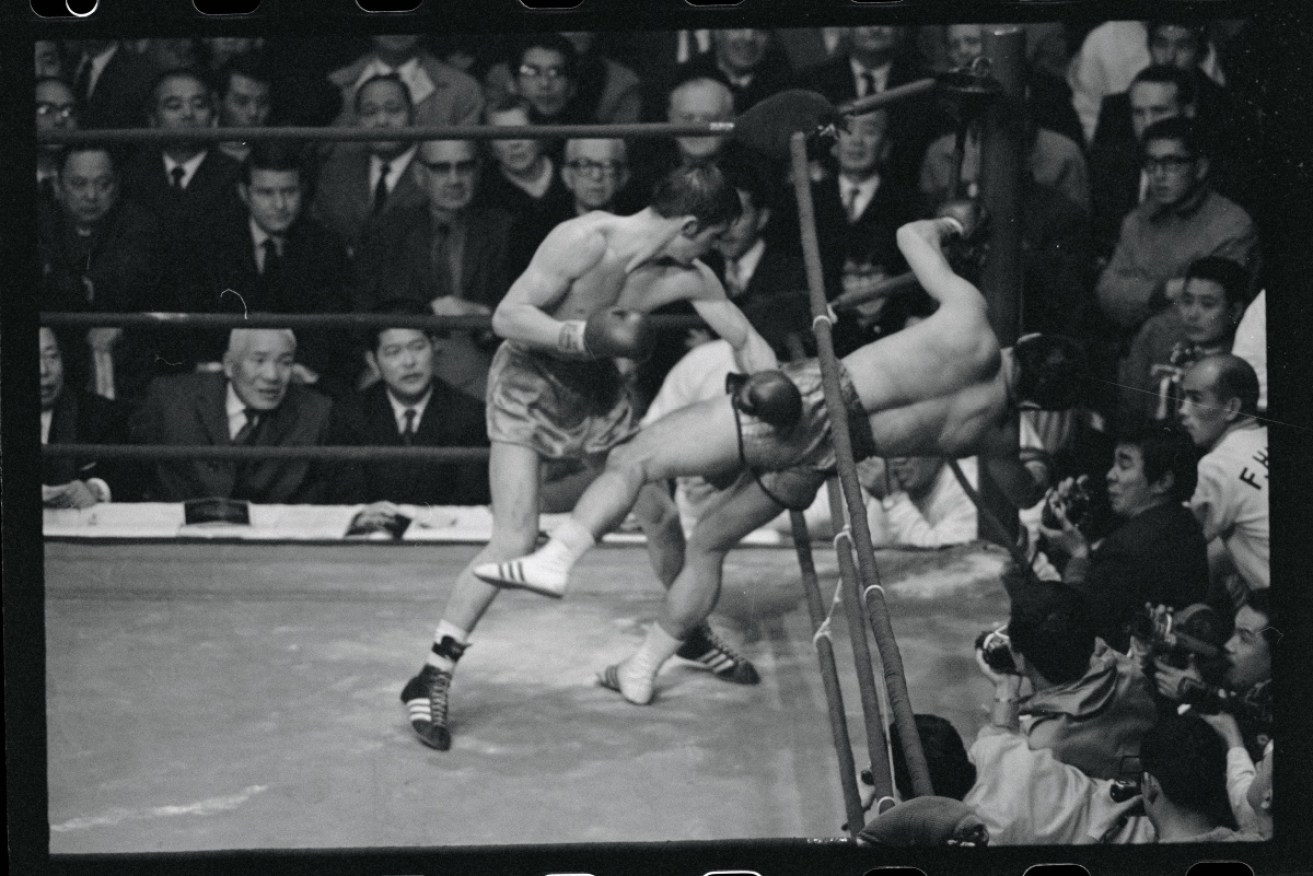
(408, 431)
(177, 173)
(733, 278)
(440, 260)
(850, 203)
(272, 261)
(868, 82)
(82, 81)
(381, 190)
(246, 434)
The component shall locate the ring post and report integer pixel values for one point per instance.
(896, 684)
(1003, 167)
(852, 796)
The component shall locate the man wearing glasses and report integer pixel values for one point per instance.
(596, 173)
(56, 110)
(1181, 219)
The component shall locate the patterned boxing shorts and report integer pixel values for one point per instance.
(792, 464)
(560, 408)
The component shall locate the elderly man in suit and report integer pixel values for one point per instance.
(99, 252)
(252, 402)
(408, 406)
(358, 187)
(273, 258)
(747, 60)
(442, 95)
(73, 416)
(186, 184)
(450, 253)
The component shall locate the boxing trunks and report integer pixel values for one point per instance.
(561, 408)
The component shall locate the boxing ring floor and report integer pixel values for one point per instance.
(205, 696)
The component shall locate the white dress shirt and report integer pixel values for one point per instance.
(864, 189)
(258, 237)
(411, 73)
(879, 74)
(236, 410)
(739, 272)
(396, 167)
(188, 167)
(399, 410)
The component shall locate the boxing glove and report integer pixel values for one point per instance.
(609, 334)
(769, 396)
(970, 215)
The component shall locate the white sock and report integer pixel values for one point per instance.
(445, 629)
(658, 647)
(569, 541)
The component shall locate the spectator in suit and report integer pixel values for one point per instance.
(441, 94)
(1158, 554)
(605, 91)
(524, 182)
(73, 416)
(409, 406)
(274, 259)
(99, 252)
(1118, 180)
(186, 184)
(218, 51)
(745, 59)
(1219, 410)
(545, 72)
(243, 87)
(1181, 219)
(808, 46)
(694, 101)
(450, 254)
(358, 188)
(112, 84)
(252, 402)
(1201, 321)
(596, 173)
(879, 58)
(56, 110)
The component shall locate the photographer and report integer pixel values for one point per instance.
(1183, 786)
(1238, 709)
(1158, 555)
(1089, 704)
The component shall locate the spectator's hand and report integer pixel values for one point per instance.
(302, 374)
(1066, 537)
(1168, 678)
(1224, 723)
(102, 340)
(74, 494)
(872, 474)
(1006, 684)
(450, 305)
(1140, 654)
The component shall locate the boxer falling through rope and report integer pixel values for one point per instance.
(554, 391)
(939, 388)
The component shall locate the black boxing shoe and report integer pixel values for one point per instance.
(425, 697)
(707, 649)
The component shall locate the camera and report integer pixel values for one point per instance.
(994, 645)
(1252, 708)
(1078, 501)
(1196, 630)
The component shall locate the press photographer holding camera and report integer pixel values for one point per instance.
(1235, 700)
(1157, 554)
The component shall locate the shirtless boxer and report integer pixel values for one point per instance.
(554, 390)
(939, 388)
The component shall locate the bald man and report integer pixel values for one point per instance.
(252, 402)
(1219, 409)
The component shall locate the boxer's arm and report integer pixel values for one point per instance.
(921, 245)
(563, 257)
(707, 295)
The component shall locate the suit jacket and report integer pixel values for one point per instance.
(1158, 556)
(451, 419)
(211, 193)
(190, 409)
(534, 217)
(456, 99)
(913, 122)
(775, 300)
(119, 99)
(774, 74)
(313, 278)
(81, 417)
(345, 203)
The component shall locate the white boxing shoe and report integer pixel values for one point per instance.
(527, 573)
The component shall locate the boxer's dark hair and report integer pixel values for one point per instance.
(701, 192)
(951, 772)
(1227, 273)
(1188, 759)
(1165, 74)
(1050, 626)
(1053, 371)
(385, 77)
(1165, 448)
(744, 170)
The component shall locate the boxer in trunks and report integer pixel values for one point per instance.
(941, 387)
(554, 390)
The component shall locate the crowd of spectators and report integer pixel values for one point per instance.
(1142, 230)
